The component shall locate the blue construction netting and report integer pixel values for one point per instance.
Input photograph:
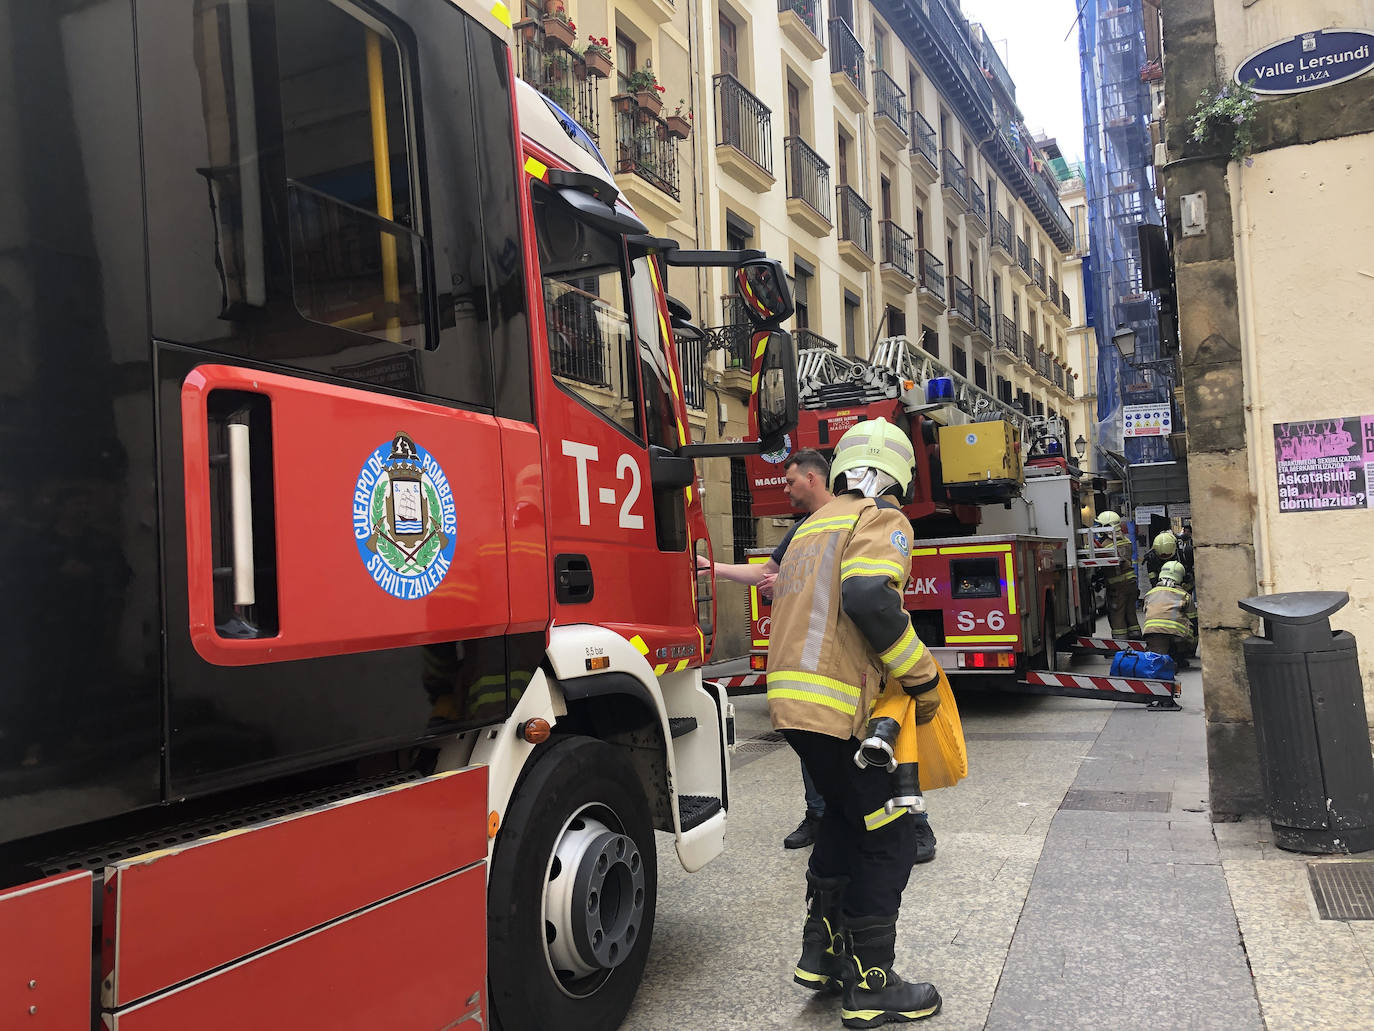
(1119, 177)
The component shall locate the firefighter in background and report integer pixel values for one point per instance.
(1165, 549)
(1122, 592)
(839, 630)
(1169, 616)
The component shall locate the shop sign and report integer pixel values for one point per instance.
(1147, 420)
(1309, 61)
(1324, 465)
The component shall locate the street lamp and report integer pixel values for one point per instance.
(1124, 339)
(1080, 446)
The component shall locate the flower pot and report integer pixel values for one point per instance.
(679, 126)
(649, 100)
(598, 64)
(623, 103)
(579, 68)
(552, 7)
(557, 31)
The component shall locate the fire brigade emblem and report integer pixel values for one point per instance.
(780, 455)
(404, 519)
(900, 543)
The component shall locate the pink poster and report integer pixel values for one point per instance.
(1325, 464)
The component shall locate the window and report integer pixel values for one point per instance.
(894, 324)
(801, 296)
(885, 197)
(879, 48)
(842, 158)
(930, 341)
(355, 259)
(793, 109)
(625, 63)
(851, 324)
(980, 374)
(590, 347)
(960, 361)
(913, 90)
(729, 47)
(660, 417)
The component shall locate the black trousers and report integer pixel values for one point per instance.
(877, 862)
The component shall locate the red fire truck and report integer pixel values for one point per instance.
(354, 644)
(1000, 565)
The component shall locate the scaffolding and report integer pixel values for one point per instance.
(1119, 181)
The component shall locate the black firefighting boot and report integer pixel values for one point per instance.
(824, 958)
(874, 994)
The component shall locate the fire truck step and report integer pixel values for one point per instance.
(680, 725)
(1158, 694)
(1105, 644)
(696, 809)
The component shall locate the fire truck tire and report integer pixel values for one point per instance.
(1050, 637)
(572, 894)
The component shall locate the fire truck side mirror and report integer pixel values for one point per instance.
(761, 284)
(776, 396)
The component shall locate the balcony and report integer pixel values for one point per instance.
(1068, 385)
(856, 227)
(847, 64)
(955, 181)
(925, 152)
(1044, 366)
(1006, 340)
(889, 110)
(734, 336)
(1021, 270)
(800, 21)
(744, 133)
(931, 277)
(963, 301)
(1065, 310)
(1058, 371)
(976, 220)
(996, 71)
(560, 75)
(1028, 349)
(646, 151)
(1036, 287)
(983, 319)
(691, 356)
(808, 186)
(899, 257)
(810, 341)
(943, 43)
(1003, 249)
(1052, 291)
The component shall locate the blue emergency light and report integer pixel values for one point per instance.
(939, 389)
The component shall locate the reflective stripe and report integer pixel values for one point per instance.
(815, 697)
(982, 549)
(904, 655)
(982, 638)
(1185, 629)
(818, 621)
(881, 818)
(812, 687)
(871, 567)
(826, 525)
(536, 168)
(1011, 587)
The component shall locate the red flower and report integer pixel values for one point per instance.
(572, 25)
(661, 89)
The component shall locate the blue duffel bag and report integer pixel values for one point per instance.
(1146, 665)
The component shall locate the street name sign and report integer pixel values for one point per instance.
(1310, 60)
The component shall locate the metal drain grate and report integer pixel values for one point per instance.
(757, 747)
(1343, 891)
(1117, 801)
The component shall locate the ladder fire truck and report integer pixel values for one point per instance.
(354, 638)
(1003, 554)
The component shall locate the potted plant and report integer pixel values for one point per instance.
(598, 56)
(644, 85)
(624, 103)
(680, 122)
(559, 28)
(1226, 119)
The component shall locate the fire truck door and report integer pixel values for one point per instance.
(618, 545)
(332, 271)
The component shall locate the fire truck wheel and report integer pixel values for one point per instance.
(572, 894)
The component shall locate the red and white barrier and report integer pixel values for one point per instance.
(1126, 689)
(1107, 644)
(740, 681)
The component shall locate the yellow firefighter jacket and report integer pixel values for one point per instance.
(1169, 610)
(839, 626)
(1125, 570)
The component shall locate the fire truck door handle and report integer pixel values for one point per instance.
(241, 511)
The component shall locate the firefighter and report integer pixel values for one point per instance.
(1122, 592)
(839, 630)
(1169, 616)
(1165, 549)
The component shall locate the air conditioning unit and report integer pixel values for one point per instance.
(1161, 155)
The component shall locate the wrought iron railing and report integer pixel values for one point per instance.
(743, 121)
(560, 75)
(855, 218)
(1001, 234)
(1052, 290)
(809, 11)
(955, 178)
(1038, 274)
(582, 331)
(1068, 385)
(992, 62)
(1023, 255)
(810, 340)
(977, 203)
(889, 101)
(1028, 348)
(691, 356)
(1064, 304)
(846, 55)
(1006, 334)
(983, 310)
(808, 176)
(1044, 365)
(645, 147)
(923, 139)
(932, 273)
(734, 334)
(1059, 375)
(952, 31)
(898, 250)
(963, 298)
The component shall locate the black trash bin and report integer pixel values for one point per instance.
(1308, 701)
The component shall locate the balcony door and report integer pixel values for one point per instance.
(729, 47)
(793, 110)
